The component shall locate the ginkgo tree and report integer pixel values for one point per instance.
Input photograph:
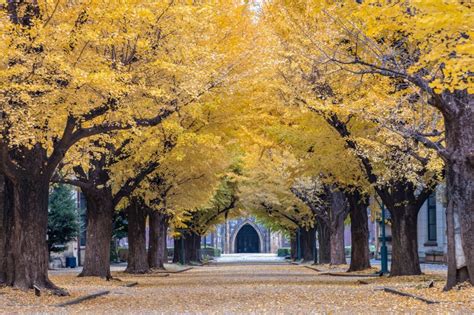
(423, 46)
(222, 206)
(64, 72)
(266, 193)
(75, 70)
(401, 171)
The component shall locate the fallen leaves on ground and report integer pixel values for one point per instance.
(246, 289)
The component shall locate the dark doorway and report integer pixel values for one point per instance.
(247, 240)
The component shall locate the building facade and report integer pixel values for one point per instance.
(245, 235)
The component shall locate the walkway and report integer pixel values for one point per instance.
(250, 259)
(234, 288)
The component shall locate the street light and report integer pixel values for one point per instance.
(298, 244)
(383, 248)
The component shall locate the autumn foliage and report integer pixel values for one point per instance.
(181, 114)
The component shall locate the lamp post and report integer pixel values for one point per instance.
(298, 244)
(383, 248)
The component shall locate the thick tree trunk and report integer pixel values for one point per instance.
(358, 204)
(405, 259)
(308, 244)
(460, 190)
(339, 210)
(176, 248)
(324, 242)
(192, 245)
(404, 200)
(99, 233)
(25, 241)
(158, 228)
(137, 255)
(181, 250)
(338, 256)
(6, 206)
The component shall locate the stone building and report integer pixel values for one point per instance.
(245, 235)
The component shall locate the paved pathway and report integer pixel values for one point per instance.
(249, 259)
(245, 288)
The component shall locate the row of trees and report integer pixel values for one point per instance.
(119, 99)
(175, 113)
(390, 84)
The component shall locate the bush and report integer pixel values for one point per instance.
(283, 252)
(122, 254)
(210, 252)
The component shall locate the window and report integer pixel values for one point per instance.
(432, 217)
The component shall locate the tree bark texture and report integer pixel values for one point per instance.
(137, 253)
(193, 247)
(459, 126)
(25, 219)
(324, 242)
(405, 259)
(191, 242)
(158, 228)
(181, 247)
(99, 233)
(308, 244)
(339, 210)
(404, 202)
(5, 216)
(360, 255)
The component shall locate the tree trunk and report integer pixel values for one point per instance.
(339, 210)
(308, 244)
(181, 250)
(192, 244)
(460, 190)
(25, 241)
(405, 259)
(403, 199)
(293, 247)
(5, 216)
(176, 247)
(358, 204)
(137, 255)
(324, 242)
(99, 233)
(158, 228)
(338, 256)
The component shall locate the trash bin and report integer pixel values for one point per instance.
(71, 262)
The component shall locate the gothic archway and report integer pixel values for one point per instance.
(247, 239)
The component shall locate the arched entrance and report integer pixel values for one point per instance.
(247, 240)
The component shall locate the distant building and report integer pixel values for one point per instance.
(244, 235)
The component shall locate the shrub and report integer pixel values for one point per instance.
(210, 252)
(283, 252)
